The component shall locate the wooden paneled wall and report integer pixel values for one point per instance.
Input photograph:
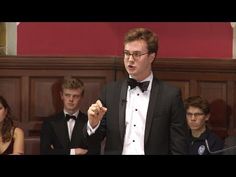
(31, 85)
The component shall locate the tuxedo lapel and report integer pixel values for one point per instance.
(122, 107)
(155, 95)
(61, 130)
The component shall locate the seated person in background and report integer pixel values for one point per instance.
(11, 137)
(197, 114)
(62, 133)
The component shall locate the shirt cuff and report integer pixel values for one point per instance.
(72, 151)
(91, 130)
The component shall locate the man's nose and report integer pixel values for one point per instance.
(131, 57)
(193, 117)
(71, 98)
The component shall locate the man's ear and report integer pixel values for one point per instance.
(152, 57)
(207, 117)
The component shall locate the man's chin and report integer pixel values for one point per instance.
(132, 74)
(195, 128)
(71, 109)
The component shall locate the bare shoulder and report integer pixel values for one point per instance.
(18, 132)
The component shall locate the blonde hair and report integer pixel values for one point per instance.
(73, 83)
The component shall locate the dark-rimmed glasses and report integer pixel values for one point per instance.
(136, 55)
(197, 114)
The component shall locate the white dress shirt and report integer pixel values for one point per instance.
(70, 126)
(135, 119)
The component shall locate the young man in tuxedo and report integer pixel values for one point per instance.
(141, 114)
(62, 133)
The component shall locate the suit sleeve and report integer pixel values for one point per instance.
(179, 130)
(46, 141)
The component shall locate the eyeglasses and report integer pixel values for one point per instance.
(197, 114)
(136, 55)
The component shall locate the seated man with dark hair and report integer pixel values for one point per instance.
(202, 141)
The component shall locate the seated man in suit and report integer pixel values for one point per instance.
(62, 133)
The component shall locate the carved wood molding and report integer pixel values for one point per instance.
(116, 63)
(72, 63)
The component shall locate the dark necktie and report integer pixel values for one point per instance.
(68, 117)
(142, 85)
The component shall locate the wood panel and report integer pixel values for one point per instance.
(233, 120)
(93, 86)
(31, 85)
(32, 145)
(215, 93)
(44, 97)
(183, 85)
(10, 88)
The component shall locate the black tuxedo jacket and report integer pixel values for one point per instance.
(54, 133)
(165, 130)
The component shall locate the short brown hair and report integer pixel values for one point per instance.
(143, 34)
(198, 102)
(73, 83)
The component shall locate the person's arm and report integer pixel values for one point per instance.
(217, 144)
(95, 128)
(18, 147)
(91, 130)
(230, 142)
(46, 141)
(78, 151)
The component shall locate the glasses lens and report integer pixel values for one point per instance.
(135, 55)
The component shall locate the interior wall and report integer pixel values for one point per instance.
(176, 39)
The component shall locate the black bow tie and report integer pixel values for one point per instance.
(142, 85)
(68, 117)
